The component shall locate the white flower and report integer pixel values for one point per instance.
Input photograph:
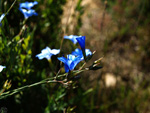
(2, 67)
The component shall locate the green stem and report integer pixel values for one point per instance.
(10, 8)
(82, 66)
(48, 80)
(9, 93)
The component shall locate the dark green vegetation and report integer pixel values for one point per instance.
(125, 46)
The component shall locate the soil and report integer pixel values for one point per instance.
(121, 54)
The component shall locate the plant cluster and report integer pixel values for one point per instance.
(19, 57)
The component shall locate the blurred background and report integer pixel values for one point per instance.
(117, 30)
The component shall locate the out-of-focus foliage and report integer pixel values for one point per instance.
(133, 20)
(128, 39)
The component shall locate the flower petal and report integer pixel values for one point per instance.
(71, 57)
(47, 53)
(66, 68)
(88, 52)
(2, 67)
(70, 62)
(28, 5)
(75, 62)
(72, 38)
(28, 13)
(63, 59)
(55, 51)
(77, 52)
(25, 8)
(1, 18)
(81, 41)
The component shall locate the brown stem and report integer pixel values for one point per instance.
(103, 16)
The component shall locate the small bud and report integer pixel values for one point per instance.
(7, 85)
(97, 61)
(95, 68)
(89, 56)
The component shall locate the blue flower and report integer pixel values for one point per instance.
(78, 52)
(28, 5)
(2, 67)
(1, 18)
(70, 62)
(81, 41)
(25, 8)
(72, 38)
(47, 53)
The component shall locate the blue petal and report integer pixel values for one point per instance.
(66, 68)
(88, 52)
(77, 52)
(72, 38)
(75, 62)
(70, 62)
(63, 59)
(81, 41)
(25, 8)
(28, 13)
(1, 18)
(71, 57)
(28, 5)
(47, 53)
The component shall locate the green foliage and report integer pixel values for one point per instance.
(20, 41)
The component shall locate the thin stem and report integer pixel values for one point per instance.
(2, 91)
(10, 8)
(27, 86)
(103, 16)
(58, 73)
(9, 93)
(66, 25)
(82, 66)
(79, 71)
(48, 80)
(23, 27)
